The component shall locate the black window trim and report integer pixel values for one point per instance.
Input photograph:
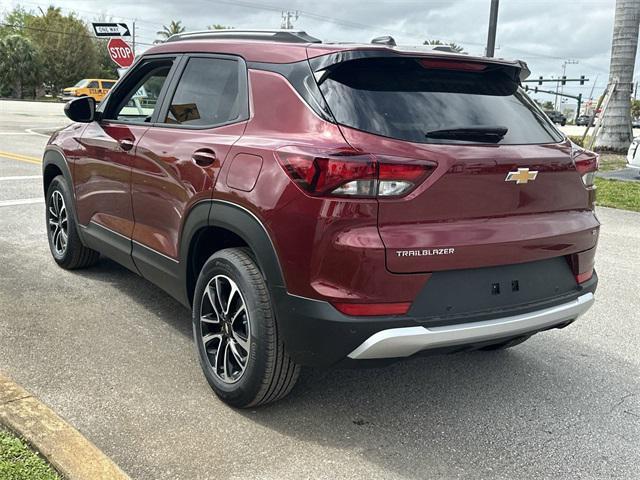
(243, 89)
(327, 62)
(123, 85)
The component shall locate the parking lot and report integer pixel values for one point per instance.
(113, 354)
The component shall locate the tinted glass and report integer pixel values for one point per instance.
(141, 100)
(93, 84)
(207, 94)
(400, 98)
(108, 84)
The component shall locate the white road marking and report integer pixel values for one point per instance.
(33, 132)
(20, 177)
(23, 201)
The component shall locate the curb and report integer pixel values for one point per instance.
(66, 449)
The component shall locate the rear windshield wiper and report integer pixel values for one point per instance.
(478, 134)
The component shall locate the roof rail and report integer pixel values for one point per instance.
(288, 36)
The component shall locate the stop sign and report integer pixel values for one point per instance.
(120, 52)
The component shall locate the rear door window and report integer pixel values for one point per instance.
(209, 93)
(407, 100)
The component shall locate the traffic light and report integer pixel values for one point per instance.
(540, 80)
(581, 79)
(564, 80)
(536, 90)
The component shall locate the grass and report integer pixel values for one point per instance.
(618, 194)
(19, 462)
(611, 161)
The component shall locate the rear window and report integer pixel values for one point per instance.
(402, 99)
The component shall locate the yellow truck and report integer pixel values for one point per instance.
(88, 87)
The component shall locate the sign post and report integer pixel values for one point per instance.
(120, 52)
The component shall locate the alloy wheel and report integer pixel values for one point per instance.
(224, 328)
(58, 223)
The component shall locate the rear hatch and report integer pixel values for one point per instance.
(503, 187)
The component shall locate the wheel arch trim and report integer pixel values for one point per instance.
(238, 220)
(55, 156)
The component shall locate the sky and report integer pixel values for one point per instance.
(544, 33)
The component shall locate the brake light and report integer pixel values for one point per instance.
(372, 309)
(586, 164)
(453, 65)
(351, 173)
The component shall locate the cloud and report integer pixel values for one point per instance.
(542, 32)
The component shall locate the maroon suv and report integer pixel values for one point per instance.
(319, 204)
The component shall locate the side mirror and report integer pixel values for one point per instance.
(81, 109)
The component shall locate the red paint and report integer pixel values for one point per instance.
(343, 250)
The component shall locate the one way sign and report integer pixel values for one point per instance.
(111, 30)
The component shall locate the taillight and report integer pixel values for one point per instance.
(373, 309)
(582, 264)
(584, 276)
(586, 164)
(351, 173)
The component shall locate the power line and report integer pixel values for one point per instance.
(60, 32)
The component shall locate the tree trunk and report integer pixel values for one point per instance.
(616, 133)
(17, 88)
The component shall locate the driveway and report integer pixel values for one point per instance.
(113, 354)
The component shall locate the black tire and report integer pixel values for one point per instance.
(74, 255)
(504, 345)
(269, 373)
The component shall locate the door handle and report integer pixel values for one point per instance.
(204, 157)
(126, 144)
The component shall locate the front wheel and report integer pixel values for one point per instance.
(64, 242)
(236, 334)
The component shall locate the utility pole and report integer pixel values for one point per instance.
(493, 26)
(288, 18)
(564, 76)
(616, 133)
(133, 39)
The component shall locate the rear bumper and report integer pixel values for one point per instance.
(404, 342)
(316, 334)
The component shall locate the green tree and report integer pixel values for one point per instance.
(172, 29)
(105, 67)
(67, 51)
(454, 46)
(19, 65)
(548, 105)
(635, 108)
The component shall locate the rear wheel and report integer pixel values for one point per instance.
(64, 242)
(236, 335)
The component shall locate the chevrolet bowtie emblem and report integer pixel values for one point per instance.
(523, 175)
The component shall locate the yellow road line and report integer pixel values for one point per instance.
(19, 157)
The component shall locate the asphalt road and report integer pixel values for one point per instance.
(113, 354)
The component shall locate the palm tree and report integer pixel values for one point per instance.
(18, 63)
(454, 46)
(173, 28)
(616, 133)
